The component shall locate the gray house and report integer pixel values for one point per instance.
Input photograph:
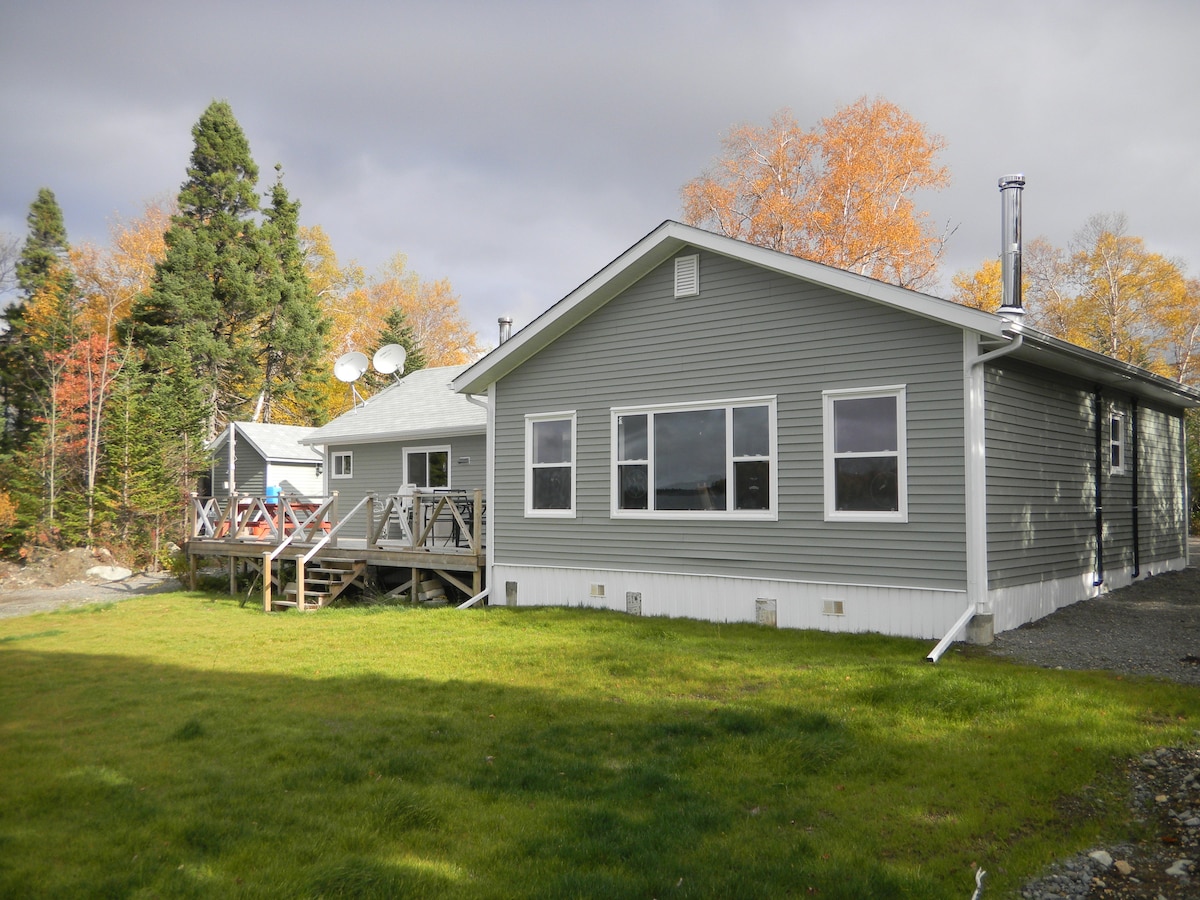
(710, 429)
(415, 432)
(250, 457)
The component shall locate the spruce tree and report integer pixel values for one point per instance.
(197, 323)
(294, 329)
(47, 284)
(396, 330)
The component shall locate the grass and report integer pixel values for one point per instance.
(183, 746)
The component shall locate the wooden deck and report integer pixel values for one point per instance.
(326, 550)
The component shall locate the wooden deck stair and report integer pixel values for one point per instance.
(323, 583)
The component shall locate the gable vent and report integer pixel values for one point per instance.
(687, 276)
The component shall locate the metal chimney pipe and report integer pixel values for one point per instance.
(505, 328)
(1011, 187)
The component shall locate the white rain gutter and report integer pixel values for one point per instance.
(976, 486)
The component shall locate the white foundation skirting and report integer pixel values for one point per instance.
(900, 611)
(1014, 606)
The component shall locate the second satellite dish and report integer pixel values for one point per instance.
(389, 359)
(350, 366)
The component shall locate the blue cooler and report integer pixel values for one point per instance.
(272, 493)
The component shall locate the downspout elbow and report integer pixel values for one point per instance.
(471, 398)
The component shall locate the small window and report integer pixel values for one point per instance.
(687, 276)
(342, 464)
(1116, 443)
(427, 467)
(685, 460)
(865, 455)
(550, 464)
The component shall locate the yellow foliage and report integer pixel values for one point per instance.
(839, 195)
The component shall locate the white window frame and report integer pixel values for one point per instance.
(441, 448)
(1116, 439)
(341, 464)
(770, 514)
(530, 420)
(829, 402)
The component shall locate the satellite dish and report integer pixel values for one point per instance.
(350, 366)
(389, 359)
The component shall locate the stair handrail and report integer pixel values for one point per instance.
(332, 532)
(316, 515)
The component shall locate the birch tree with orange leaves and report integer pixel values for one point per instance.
(841, 194)
(1107, 292)
(360, 307)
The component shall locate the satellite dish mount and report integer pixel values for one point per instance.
(349, 368)
(389, 360)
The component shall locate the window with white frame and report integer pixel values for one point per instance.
(427, 467)
(866, 468)
(699, 459)
(341, 464)
(1116, 443)
(550, 464)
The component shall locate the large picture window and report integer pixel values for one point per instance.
(865, 460)
(550, 464)
(695, 460)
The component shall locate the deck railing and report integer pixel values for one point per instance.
(449, 521)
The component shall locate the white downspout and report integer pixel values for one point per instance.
(975, 463)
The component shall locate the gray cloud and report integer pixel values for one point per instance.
(516, 148)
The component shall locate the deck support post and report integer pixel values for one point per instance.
(192, 567)
(300, 583)
(266, 577)
(232, 575)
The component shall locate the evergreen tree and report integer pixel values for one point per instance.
(295, 329)
(197, 323)
(396, 330)
(43, 277)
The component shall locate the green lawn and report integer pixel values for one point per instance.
(183, 746)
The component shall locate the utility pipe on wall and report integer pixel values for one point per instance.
(1133, 462)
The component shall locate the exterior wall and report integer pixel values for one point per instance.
(249, 470)
(379, 466)
(296, 480)
(1041, 503)
(750, 333)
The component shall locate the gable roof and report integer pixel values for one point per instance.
(420, 405)
(274, 443)
(671, 237)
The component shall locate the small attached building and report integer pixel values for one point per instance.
(416, 432)
(710, 429)
(251, 457)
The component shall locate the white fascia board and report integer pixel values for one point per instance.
(387, 437)
(662, 244)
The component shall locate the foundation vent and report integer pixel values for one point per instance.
(765, 612)
(833, 608)
(597, 590)
(510, 593)
(633, 603)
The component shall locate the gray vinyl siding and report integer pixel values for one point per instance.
(378, 467)
(1041, 475)
(1162, 487)
(249, 471)
(750, 333)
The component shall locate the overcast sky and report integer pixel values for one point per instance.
(515, 148)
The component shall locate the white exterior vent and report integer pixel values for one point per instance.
(597, 590)
(687, 276)
(833, 608)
